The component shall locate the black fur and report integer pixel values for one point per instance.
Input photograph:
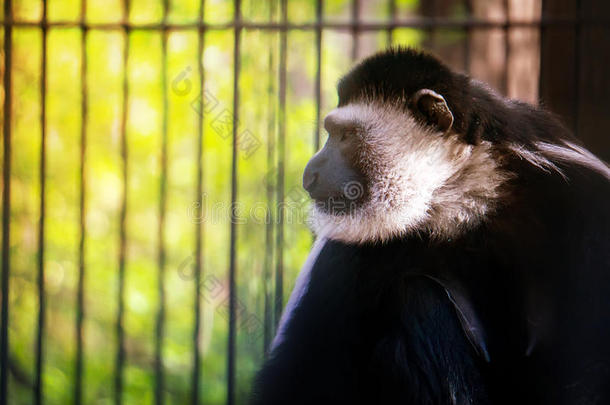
(377, 324)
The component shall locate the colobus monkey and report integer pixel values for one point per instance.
(462, 254)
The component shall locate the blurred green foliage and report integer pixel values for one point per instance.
(103, 170)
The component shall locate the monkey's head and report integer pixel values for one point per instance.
(398, 159)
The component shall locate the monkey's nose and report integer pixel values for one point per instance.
(310, 178)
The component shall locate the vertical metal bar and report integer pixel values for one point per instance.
(279, 250)
(120, 333)
(578, 57)
(198, 224)
(507, 50)
(41, 224)
(543, 33)
(355, 28)
(269, 223)
(319, 13)
(6, 200)
(468, 32)
(392, 13)
(430, 10)
(233, 230)
(80, 300)
(160, 322)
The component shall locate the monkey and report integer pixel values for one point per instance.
(462, 251)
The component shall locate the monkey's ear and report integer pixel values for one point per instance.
(433, 108)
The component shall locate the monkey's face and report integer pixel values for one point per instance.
(385, 171)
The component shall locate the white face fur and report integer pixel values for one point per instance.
(419, 180)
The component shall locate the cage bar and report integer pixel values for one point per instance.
(120, 332)
(578, 54)
(319, 14)
(198, 225)
(233, 229)
(355, 29)
(360, 26)
(281, 152)
(507, 50)
(542, 30)
(269, 225)
(80, 294)
(432, 29)
(38, 388)
(468, 33)
(6, 202)
(160, 321)
(392, 14)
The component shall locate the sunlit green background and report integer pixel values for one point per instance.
(103, 171)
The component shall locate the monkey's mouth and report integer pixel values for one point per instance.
(338, 205)
(351, 195)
